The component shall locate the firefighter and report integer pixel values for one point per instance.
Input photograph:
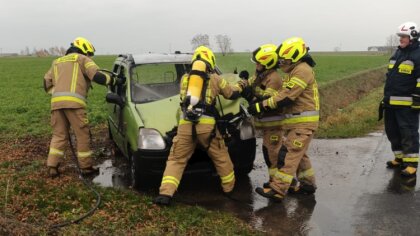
(402, 101)
(68, 81)
(197, 122)
(299, 102)
(264, 84)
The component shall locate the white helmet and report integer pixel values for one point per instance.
(409, 29)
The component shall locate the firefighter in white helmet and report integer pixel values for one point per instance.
(197, 125)
(299, 102)
(68, 81)
(401, 101)
(264, 84)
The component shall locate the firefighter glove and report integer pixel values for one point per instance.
(244, 75)
(117, 80)
(255, 108)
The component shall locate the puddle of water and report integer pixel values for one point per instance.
(343, 168)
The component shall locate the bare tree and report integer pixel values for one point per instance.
(224, 43)
(200, 40)
(392, 42)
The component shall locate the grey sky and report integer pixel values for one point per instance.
(120, 26)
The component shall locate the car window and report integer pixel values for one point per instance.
(151, 82)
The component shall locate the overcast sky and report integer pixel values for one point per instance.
(135, 26)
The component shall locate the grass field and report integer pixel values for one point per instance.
(25, 106)
(29, 196)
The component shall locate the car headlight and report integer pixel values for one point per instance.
(150, 139)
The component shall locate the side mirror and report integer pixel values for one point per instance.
(115, 99)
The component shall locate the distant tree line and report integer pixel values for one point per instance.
(223, 42)
(43, 52)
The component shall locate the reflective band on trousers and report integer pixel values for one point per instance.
(400, 101)
(303, 117)
(66, 96)
(57, 152)
(284, 177)
(202, 120)
(306, 173)
(228, 178)
(272, 171)
(412, 157)
(268, 121)
(398, 154)
(84, 154)
(170, 180)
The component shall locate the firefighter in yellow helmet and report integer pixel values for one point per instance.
(68, 81)
(299, 102)
(265, 84)
(197, 122)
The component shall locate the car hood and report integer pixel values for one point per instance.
(163, 115)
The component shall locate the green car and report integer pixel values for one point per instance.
(143, 115)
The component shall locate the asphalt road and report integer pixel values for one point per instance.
(356, 194)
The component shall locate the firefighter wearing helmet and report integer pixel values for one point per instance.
(197, 125)
(264, 84)
(401, 101)
(298, 99)
(68, 81)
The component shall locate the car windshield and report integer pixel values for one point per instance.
(152, 82)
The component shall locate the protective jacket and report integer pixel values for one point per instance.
(298, 98)
(214, 86)
(69, 79)
(265, 85)
(403, 77)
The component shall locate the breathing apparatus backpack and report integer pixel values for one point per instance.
(193, 105)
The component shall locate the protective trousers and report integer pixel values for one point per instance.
(296, 161)
(272, 141)
(181, 151)
(61, 121)
(401, 127)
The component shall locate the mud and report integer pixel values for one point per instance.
(356, 194)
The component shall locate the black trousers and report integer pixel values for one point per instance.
(402, 129)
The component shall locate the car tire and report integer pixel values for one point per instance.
(134, 175)
(242, 153)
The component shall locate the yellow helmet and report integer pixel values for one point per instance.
(265, 55)
(205, 54)
(292, 49)
(84, 45)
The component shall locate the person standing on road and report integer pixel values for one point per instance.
(68, 81)
(299, 102)
(197, 124)
(402, 101)
(264, 84)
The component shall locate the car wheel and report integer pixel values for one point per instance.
(134, 175)
(242, 153)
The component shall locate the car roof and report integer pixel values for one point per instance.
(161, 57)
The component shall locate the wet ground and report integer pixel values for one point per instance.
(356, 194)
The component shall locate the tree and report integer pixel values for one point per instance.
(200, 40)
(224, 43)
(392, 42)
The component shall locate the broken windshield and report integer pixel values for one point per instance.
(152, 82)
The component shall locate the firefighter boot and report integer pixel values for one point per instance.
(269, 193)
(409, 171)
(397, 162)
(163, 200)
(89, 171)
(301, 189)
(53, 172)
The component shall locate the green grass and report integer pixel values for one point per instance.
(25, 106)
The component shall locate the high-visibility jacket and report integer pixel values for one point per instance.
(403, 76)
(214, 86)
(264, 85)
(69, 79)
(298, 98)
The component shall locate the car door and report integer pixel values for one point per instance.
(116, 119)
